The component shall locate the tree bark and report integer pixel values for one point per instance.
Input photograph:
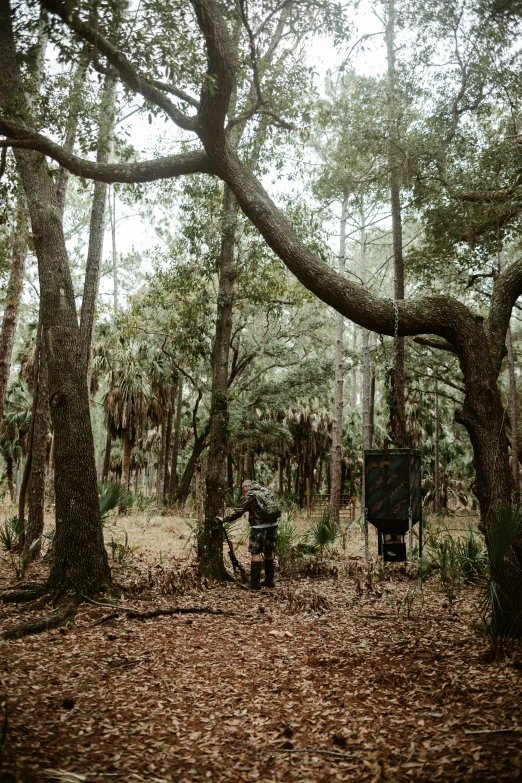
(398, 409)
(35, 522)
(126, 456)
(12, 298)
(184, 486)
(513, 419)
(9, 473)
(107, 458)
(168, 437)
(175, 445)
(161, 465)
(436, 475)
(96, 229)
(211, 553)
(80, 560)
(366, 366)
(337, 419)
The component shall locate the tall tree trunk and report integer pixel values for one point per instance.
(161, 466)
(80, 561)
(515, 465)
(337, 423)
(112, 214)
(175, 445)
(126, 456)
(372, 408)
(12, 297)
(398, 411)
(484, 417)
(366, 366)
(96, 229)
(168, 437)
(230, 477)
(211, 555)
(107, 458)
(9, 473)
(35, 522)
(436, 468)
(184, 485)
(26, 476)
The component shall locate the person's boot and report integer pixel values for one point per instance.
(269, 574)
(255, 576)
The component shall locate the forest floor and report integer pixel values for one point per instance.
(351, 674)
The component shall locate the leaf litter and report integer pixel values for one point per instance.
(332, 678)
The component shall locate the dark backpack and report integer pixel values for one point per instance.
(268, 508)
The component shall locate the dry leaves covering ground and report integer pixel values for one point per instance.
(323, 679)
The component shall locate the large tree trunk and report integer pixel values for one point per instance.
(398, 411)
(366, 366)
(80, 560)
(12, 298)
(337, 422)
(211, 553)
(513, 419)
(35, 522)
(484, 417)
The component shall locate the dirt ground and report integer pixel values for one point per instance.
(338, 676)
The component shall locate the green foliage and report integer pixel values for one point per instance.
(500, 537)
(459, 559)
(286, 536)
(110, 496)
(9, 534)
(322, 532)
(121, 552)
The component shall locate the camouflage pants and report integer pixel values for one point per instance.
(264, 540)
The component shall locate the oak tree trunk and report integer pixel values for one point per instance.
(211, 553)
(513, 422)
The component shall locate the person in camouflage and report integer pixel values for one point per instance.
(263, 536)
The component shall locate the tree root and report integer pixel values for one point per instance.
(23, 586)
(23, 597)
(61, 616)
(133, 614)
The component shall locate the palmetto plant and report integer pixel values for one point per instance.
(322, 532)
(501, 535)
(111, 496)
(286, 536)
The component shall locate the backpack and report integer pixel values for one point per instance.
(268, 507)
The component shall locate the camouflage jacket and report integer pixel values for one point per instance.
(248, 503)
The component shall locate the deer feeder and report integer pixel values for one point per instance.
(393, 501)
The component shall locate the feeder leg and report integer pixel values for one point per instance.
(420, 537)
(410, 537)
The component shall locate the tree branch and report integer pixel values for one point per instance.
(433, 342)
(128, 73)
(507, 287)
(21, 136)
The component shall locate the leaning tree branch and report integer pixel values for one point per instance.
(173, 90)
(127, 71)
(433, 342)
(20, 136)
(507, 287)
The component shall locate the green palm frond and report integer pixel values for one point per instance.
(110, 496)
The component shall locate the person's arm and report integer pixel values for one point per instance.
(240, 510)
